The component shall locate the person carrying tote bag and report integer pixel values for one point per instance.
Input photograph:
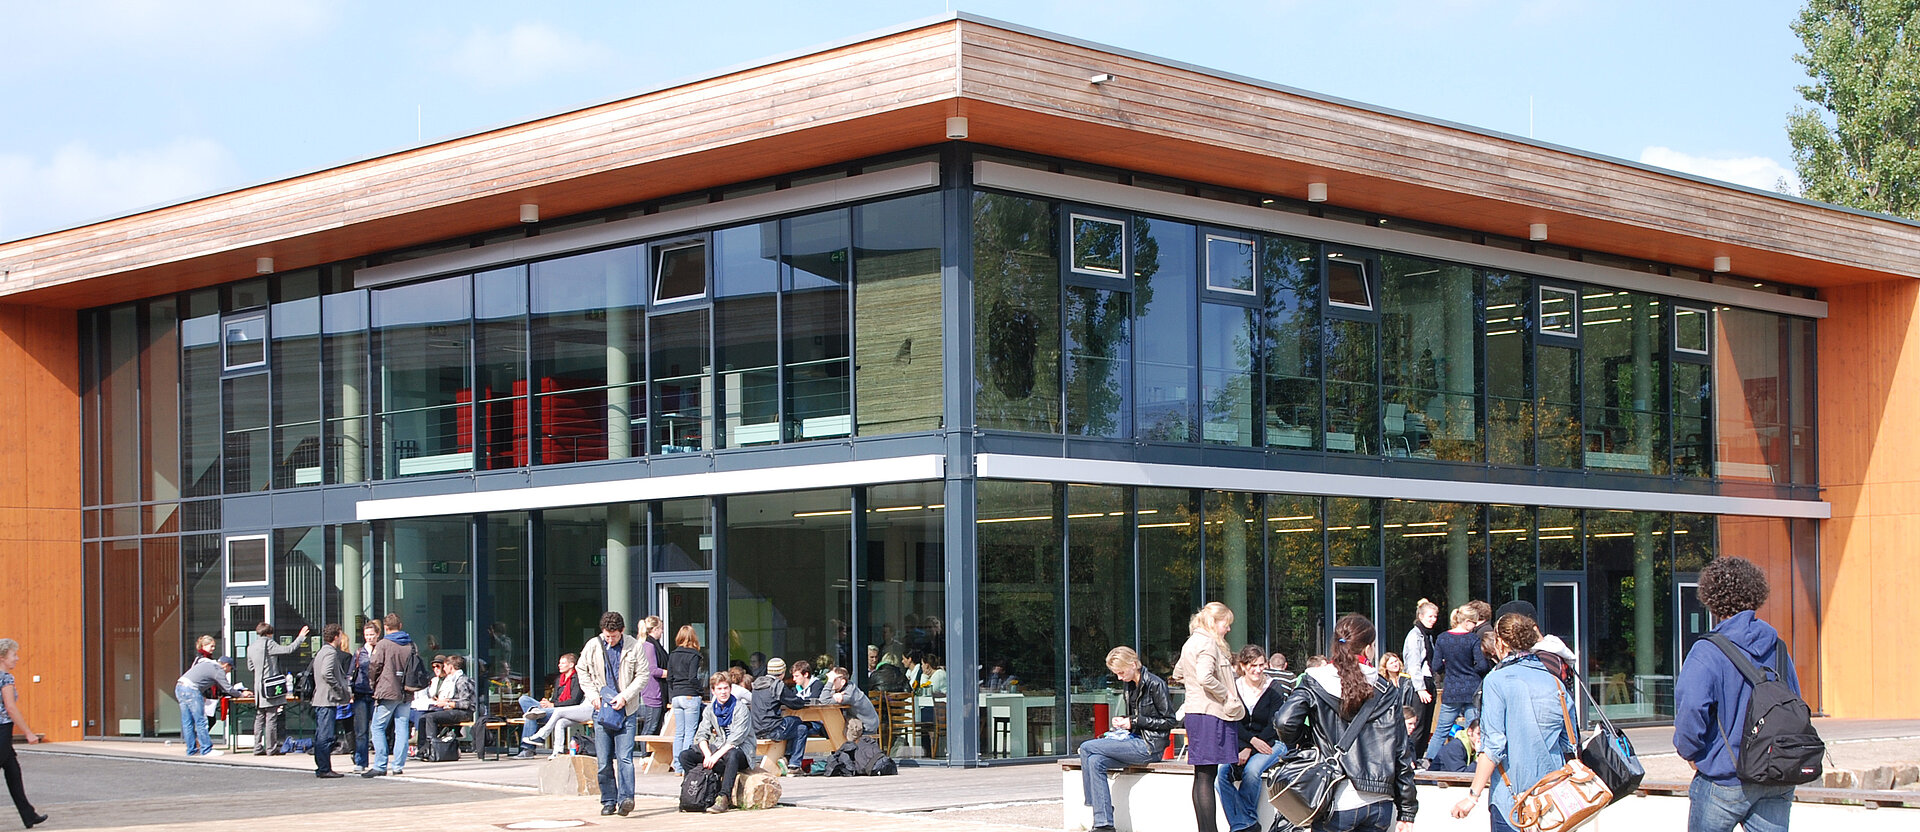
(1342, 710)
(1529, 743)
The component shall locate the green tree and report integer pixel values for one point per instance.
(1859, 145)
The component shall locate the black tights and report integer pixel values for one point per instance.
(1203, 796)
(10, 761)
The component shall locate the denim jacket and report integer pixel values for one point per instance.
(1521, 726)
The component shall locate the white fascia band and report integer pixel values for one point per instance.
(1155, 475)
(786, 478)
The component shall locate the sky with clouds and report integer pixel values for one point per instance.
(112, 106)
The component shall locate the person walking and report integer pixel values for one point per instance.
(685, 680)
(1523, 723)
(1416, 650)
(564, 708)
(1710, 704)
(190, 690)
(12, 716)
(724, 739)
(1378, 793)
(1260, 747)
(266, 658)
(1211, 708)
(612, 668)
(1136, 739)
(1460, 664)
(392, 702)
(332, 687)
(363, 696)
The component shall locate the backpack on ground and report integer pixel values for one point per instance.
(867, 760)
(699, 789)
(1778, 746)
(416, 677)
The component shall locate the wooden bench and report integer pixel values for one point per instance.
(491, 726)
(659, 747)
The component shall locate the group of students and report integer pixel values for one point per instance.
(1499, 706)
(621, 686)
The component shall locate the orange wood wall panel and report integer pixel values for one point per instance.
(40, 511)
(1870, 464)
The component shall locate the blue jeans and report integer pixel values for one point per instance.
(193, 721)
(1099, 756)
(686, 720)
(533, 720)
(362, 728)
(392, 726)
(1241, 801)
(795, 733)
(1373, 817)
(1712, 807)
(615, 753)
(1498, 822)
(1443, 716)
(323, 725)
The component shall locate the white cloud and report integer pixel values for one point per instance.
(1751, 171)
(526, 53)
(165, 34)
(78, 184)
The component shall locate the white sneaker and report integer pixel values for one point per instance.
(214, 753)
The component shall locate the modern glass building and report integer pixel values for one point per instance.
(1000, 396)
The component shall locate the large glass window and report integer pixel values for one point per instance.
(896, 321)
(500, 426)
(1236, 567)
(1164, 298)
(296, 392)
(903, 591)
(571, 592)
(1016, 313)
(1018, 539)
(815, 312)
(682, 386)
(1099, 361)
(1100, 591)
(746, 319)
(301, 580)
(1751, 405)
(120, 405)
(1296, 577)
(1434, 551)
(1803, 360)
(1226, 373)
(1509, 363)
(1290, 342)
(124, 673)
(589, 335)
(787, 569)
(248, 455)
(344, 366)
(160, 401)
(1625, 424)
(1629, 579)
(1352, 396)
(426, 379)
(428, 580)
(1556, 395)
(504, 646)
(1167, 531)
(683, 538)
(1429, 360)
(161, 626)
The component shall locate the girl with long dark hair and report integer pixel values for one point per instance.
(1378, 792)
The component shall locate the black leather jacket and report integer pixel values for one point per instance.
(1151, 710)
(1380, 760)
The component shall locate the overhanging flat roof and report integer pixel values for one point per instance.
(1019, 89)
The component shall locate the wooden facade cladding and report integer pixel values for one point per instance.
(1020, 90)
(40, 512)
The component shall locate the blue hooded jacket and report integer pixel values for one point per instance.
(398, 637)
(1711, 695)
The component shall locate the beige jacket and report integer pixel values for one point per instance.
(629, 677)
(1206, 671)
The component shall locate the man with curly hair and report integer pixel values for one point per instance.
(1711, 704)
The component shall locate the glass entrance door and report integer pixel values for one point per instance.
(1355, 592)
(685, 603)
(1561, 594)
(243, 613)
(1694, 620)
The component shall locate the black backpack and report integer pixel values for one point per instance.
(1778, 746)
(700, 789)
(417, 676)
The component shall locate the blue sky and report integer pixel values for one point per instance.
(111, 106)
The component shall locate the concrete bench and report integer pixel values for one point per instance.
(1156, 797)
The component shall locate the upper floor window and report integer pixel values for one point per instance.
(1230, 265)
(1099, 246)
(680, 271)
(1347, 282)
(1690, 330)
(246, 342)
(1558, 311)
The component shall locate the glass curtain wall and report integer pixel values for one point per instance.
(1016, 312)
(898, 344)
(1018, 538)
(1752, 441)
(788, 579)
(295, 358)
(572, 546)
(746, 321)
(1166, 392)
(1625, 426)
(499, 431)
(1429, 338)
(1100, 599)
(902, 579)
(1290, 343)
(425, 347)
(1509, 368)
(428, 580)
(589, 342)
(817, 347)
(343, 359)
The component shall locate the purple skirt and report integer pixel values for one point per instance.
(1211, 741)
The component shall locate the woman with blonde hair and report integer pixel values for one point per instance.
(11, 716)
(1417, 652)
(1211, 708)
(204, 674)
